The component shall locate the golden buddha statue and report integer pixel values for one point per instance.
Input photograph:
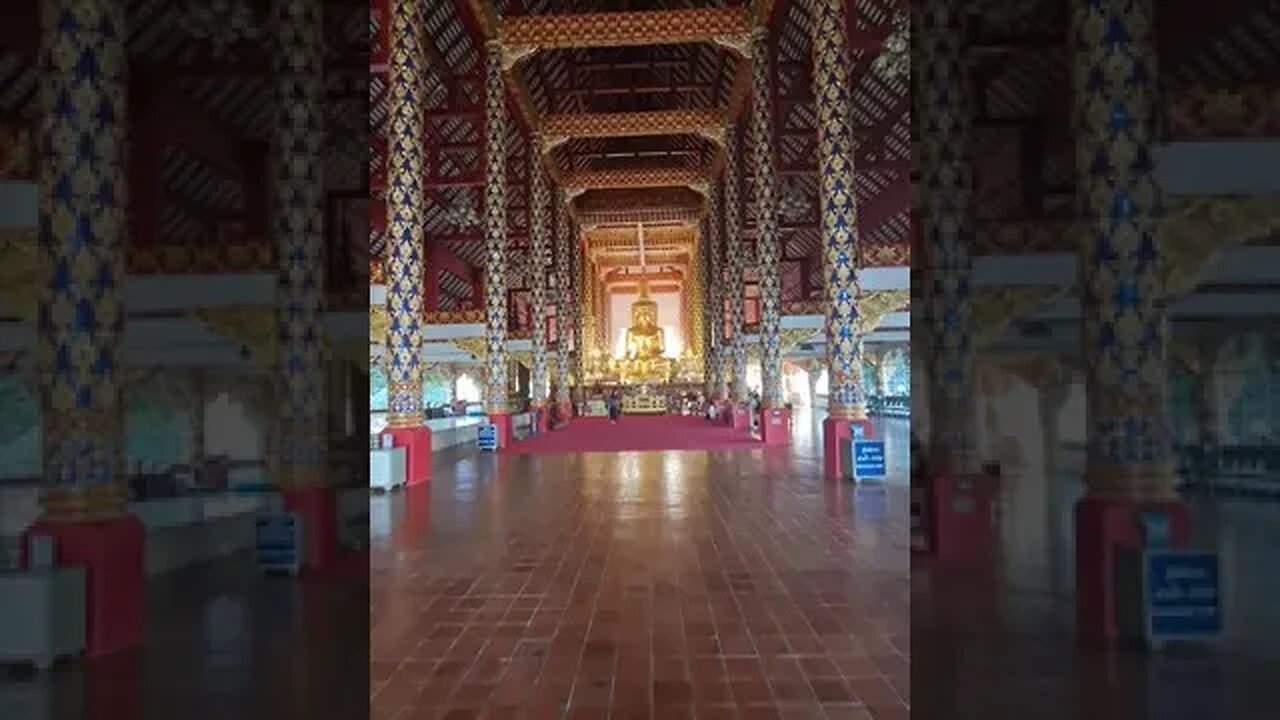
(645, 361)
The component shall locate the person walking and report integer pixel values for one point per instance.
(615, 407)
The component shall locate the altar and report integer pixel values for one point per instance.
(644, 403)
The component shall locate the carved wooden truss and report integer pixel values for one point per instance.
(649, 216)
(706, 123)
(637, 177)
(727, 26)
(655, 239)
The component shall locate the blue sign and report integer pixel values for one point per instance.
(868, 459)
(1182, 595)
(487, 437)
(871, 502)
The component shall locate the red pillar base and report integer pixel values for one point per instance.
(833, 431)
(1104, 526)
(962, 520)
(318, 508)
(506, 429)
(416, 442)
(111, 551)
(542, 415)
(740, 416)
(566, 413)
(775, 426)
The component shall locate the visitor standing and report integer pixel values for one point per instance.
(615, 407)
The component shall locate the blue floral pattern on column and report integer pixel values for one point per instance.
(945, 116)
(299, 213)
(540, 197)
(82, 199)
(768, 253)
(495, 235)
(564, 299)
(405, 250)
(832, 88)
(737, 263)
(1125, 327)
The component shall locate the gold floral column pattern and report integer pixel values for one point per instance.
(719, 385)
(495, 236)
(832, 88)
(945, 116)
(1125, 327)
(767, 250)
(564, 298)
(404, 270)
(737, 264)
(541, 236)
(299, 218)
(80, 257)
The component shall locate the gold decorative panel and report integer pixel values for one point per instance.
(706, 123)
(621, 29)
(637, 177)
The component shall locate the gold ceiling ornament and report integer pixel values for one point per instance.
(379, 324)
(737, 43)
(19, 273)
(635, 178)
(792, 338)
(473, 346)
(1196, 231)
(994, 309)
(623, 29)
(680, 236)
(873, 305)
(254, 328)
(632, 124)
(513, 54)
(591, 219)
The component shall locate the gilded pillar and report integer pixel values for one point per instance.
(946, 216)
(695, 331)
(405, 243)
(832, 87)
(768, 254)
(718, 387)
(82, 205)
(1125, 323)
(580, 328)
(299, 220)
(564, 298)
(540, 263)
(737, 265)
(495, 233)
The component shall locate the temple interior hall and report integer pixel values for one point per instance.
(1095, 322)
(653, 258)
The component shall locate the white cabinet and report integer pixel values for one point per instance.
(43, 617)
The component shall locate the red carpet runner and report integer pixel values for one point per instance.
(634, 433)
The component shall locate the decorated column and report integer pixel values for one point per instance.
(298, 210)
(775, 425)
(945, 113)
(1129, 454)
(81, 314)
(734, 248)
(404, 268)
(539, 263)
(495, 244)
(832, 87)
(719, 385)
(696, 331)
(581, 330)
(564, 304)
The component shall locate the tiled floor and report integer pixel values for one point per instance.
(639, 585)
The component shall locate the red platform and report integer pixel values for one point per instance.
(505, 427)
(740, 416)
(417, 444)
(111, 551)
(775, 426)
(833, 431)
(318, 508)
(961, 508)
(1104, 526)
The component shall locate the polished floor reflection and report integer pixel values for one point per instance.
(657, 585)
(1001, 643)
(223, 642)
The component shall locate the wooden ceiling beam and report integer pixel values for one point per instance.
(624, 29)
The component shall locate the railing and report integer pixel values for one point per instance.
(890, 406)
(1245, 471)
